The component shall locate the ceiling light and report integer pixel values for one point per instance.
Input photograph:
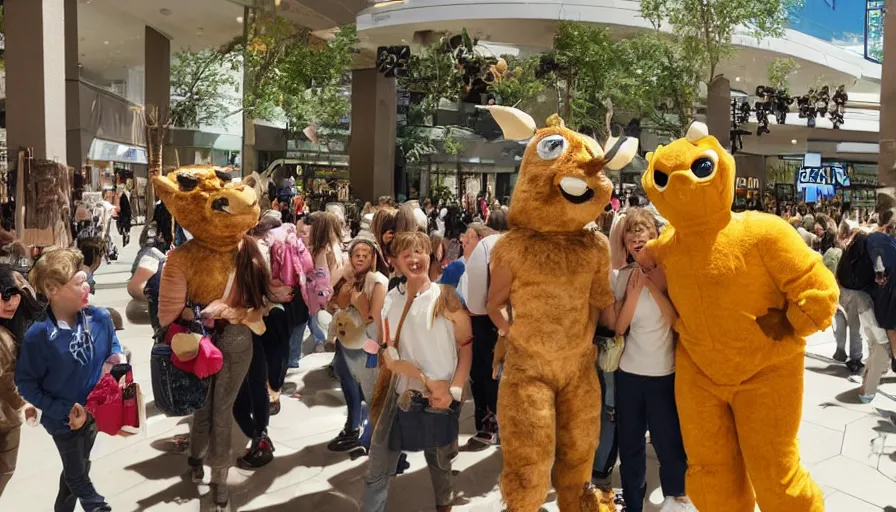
(105, 42)
(165, 12)
(793, 141)
(239, 19)
(737, 79)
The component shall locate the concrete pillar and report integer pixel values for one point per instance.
(886, 175)
(372, 141)
(35, 77)
(76, 154)
(157, 72)
(718, 110)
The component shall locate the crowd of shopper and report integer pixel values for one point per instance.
(409, 327)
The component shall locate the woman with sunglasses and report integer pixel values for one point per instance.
(19, 308)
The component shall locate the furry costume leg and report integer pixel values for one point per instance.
(717, 476)
(526, 419)
(767, 410)
(578, 425)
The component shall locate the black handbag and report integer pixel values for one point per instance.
(418, 426)
(423, 428)
(176, 392)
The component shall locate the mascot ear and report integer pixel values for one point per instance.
(649, 157)
(697, 131)
(619, 152)
(516, 124)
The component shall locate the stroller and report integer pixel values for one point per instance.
(98, 226)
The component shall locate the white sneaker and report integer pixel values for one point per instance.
(682, 504)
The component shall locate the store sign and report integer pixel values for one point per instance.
(107, 151)
(833, 174)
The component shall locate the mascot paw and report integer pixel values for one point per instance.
(775, 324)
(595, 500)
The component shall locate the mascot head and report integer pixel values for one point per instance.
(561, 186)
(691, 181)
(208, 204)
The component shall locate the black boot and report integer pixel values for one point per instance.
(346, 441)
(855, 366)
(197, 473)
(259, 454)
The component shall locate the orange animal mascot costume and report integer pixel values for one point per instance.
(556, 275)
(748, 291)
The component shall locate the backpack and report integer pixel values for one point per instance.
(856, 271)
(317, 290)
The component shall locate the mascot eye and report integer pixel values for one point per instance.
(223, 176)
(220, 204)
(551, 147)
(703, 167)
(187, 182)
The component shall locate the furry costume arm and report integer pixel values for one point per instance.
(172, 289)
(601, 293)
(799, 272)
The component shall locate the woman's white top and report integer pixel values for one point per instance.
(649, 345)
(427, 342)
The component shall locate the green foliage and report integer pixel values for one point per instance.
(658, 82)
(312, 81)
(433, 74)
(650, 76)
(198, 84)
(519, 84)
(286, 70)
(581, 68)
(706, 27)
(780, 69)
(439, 194)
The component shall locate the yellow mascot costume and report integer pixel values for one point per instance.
(556, 275)
(748, 291)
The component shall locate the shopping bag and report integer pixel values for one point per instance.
(133, 407)
(105, 404)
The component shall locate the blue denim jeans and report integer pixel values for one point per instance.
(74, 483)
(644, 403)
(358, 383)
(606, 453)
(296, 337)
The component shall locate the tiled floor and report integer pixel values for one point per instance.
(850, 448)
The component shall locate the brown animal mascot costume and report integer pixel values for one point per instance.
(221, 273)
(748, 291)
(556, 275)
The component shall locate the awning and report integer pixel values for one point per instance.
(108, 151)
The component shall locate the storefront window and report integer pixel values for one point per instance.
(874, 30)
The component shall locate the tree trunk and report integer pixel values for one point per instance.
(248, 157)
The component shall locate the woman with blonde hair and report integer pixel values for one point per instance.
(645, 380)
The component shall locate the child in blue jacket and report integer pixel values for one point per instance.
(61, 361)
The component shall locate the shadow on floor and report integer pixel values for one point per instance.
(317, 389)
(831, 370)
(162, 467)
(261, 480)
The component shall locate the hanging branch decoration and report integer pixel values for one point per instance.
(155, 130)
(392, 61)
(810, 106)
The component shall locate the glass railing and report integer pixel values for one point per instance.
(854, 25)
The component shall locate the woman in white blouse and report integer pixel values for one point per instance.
(645, 380)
